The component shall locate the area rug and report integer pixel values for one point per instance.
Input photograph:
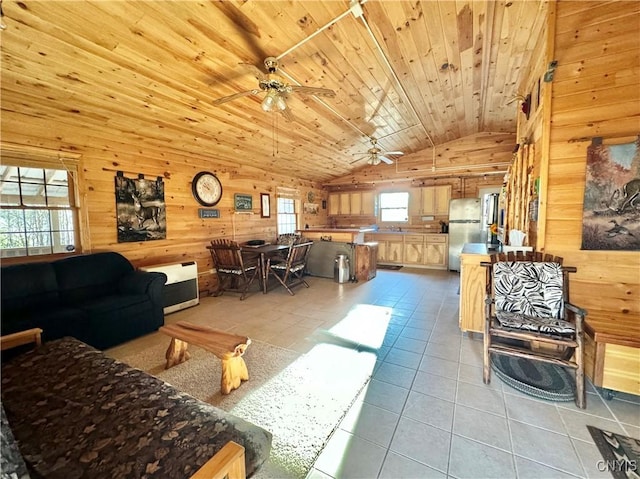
(300, 399)
(535, 378)
(621, 454)
(393, 267)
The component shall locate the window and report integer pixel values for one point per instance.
(394, 206)
(287, 218)
(38, 215)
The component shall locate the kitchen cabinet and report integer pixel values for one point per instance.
(412, 249)
(390, 247)
(436, 250)
(334, 204)
(345, 203)
(353, 203)
(429, 200)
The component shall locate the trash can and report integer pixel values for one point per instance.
(341, 269)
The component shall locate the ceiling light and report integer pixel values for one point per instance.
(280, 103)
(273, 100)
(269, 100)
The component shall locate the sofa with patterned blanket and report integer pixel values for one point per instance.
(74, 413)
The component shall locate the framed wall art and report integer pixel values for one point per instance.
(265, 205)
(611, 208)
(140, 209)
(242, 202)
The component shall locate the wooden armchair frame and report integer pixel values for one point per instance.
(290, 272)
(566, 350)
(232, 267)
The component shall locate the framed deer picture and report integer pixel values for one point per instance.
(611, 208)
(140, 209)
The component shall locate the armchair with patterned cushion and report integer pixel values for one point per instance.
(528, 314)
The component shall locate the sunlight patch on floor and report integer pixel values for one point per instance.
(364, 325)
(303, 403)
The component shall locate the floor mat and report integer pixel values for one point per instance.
(621, 454)
(535, 378)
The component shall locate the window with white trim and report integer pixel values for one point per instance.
(287, 216)
(394, 207)
(38, 212)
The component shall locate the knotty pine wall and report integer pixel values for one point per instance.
(467, 164)
(595, 92)
(187, 234)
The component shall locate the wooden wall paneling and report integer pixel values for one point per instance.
(593, 95)
(548, 45)
(454, 159)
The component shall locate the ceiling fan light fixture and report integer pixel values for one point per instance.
(267, 103)
(280, 103)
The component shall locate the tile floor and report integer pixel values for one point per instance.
(426, 412)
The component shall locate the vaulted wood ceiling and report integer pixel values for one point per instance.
(410, 73)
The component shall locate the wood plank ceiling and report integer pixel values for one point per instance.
(146, 73)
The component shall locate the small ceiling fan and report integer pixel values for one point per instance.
(375, 155)
(277, 90)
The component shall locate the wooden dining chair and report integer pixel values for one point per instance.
(289, 271)
(236, 273)
(288, 238)
(528, 314)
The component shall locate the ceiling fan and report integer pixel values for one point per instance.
(277, 90)
(375, 155)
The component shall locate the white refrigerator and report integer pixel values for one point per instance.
(465, 226)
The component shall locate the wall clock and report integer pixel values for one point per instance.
(206, 188)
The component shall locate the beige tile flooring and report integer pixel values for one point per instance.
(426, 412)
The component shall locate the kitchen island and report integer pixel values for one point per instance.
(329, 242)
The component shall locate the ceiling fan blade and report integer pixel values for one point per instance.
(255, 71)
(310, 90)
(398, 153)
(357, 160)
(225, 99)
(388, 161)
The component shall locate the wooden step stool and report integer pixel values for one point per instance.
(228, 347)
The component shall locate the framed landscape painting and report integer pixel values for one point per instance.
(611, 208)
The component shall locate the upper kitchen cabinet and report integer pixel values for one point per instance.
(352, 203)
(430, 201)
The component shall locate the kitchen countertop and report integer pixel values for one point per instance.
(481, 248)
(337, 230)
(477, 248)
(408, 232)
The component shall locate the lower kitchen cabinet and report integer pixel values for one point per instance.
(423, 250)
(414, 252)
(436, 250)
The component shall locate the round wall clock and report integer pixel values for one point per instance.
(206, 188)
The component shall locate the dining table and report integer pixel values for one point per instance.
(264, 252)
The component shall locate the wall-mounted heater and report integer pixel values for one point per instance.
(181, 289)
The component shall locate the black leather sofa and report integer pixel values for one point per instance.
(97, 298)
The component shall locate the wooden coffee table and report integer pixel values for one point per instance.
(228, 347)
